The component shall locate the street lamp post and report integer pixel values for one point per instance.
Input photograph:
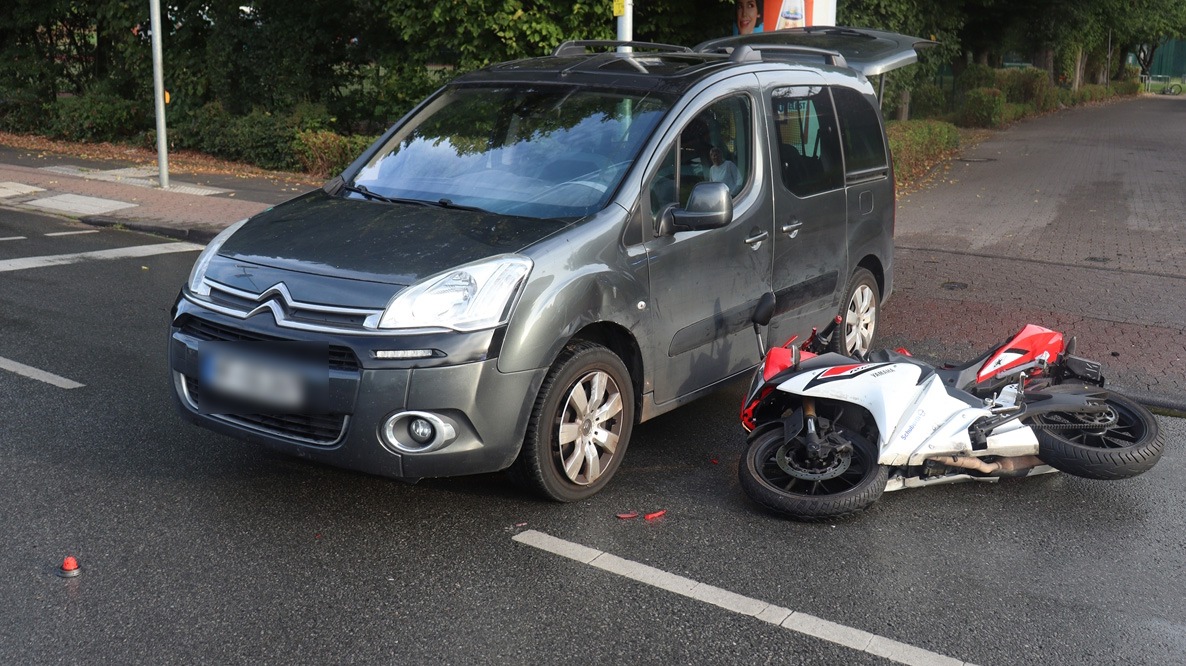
(158, 84)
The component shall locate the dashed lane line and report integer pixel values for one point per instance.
(24, 263)
(73, 233)
(8, 238)
(786, 618)
(40, 375)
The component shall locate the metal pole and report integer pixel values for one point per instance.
(626, 26)
(158, 84)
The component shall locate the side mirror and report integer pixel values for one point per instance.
(709, 207)
(765, 309)
(762, 315)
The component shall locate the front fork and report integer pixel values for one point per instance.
(809, 421)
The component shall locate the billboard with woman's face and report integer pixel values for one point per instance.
(766, 15)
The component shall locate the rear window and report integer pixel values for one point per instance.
(860, 130)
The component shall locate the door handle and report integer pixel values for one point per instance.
(757, 238)
(791, 229)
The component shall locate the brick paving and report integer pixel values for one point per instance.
(1074, 221)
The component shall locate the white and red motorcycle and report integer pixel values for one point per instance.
(828, 434)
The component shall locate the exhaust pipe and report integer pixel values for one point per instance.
(1014, 466)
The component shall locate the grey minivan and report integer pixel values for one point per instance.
(548, 251)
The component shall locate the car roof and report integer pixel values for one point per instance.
(643, 71)
(666, 68)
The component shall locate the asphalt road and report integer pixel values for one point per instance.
(195, 547)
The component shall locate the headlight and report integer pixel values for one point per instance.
(196, 286)
(468, 298)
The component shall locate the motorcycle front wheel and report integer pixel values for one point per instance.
(780, 476)
(1116, 444)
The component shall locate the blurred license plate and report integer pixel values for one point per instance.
(239, 377)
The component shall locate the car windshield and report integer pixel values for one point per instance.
(545, 152)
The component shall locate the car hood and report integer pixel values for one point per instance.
(358, 239)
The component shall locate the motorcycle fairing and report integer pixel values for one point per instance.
(1030, 344)
(885, 390)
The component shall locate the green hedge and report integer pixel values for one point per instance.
(982, 107)
(917, 145)
(1028, 85)
(95, 117)
(323, 153)
(259, 138)
(976, 76)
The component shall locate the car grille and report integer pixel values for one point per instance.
(340, 358)
(321, 429)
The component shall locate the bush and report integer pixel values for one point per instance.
(1015, 112)
(1093, 93)
(976, 76)
(982, 107)
(1127, 88)
(95, 117)
(260, 138)
(322, 153)
(22, 111)
(927, 101)
(917, 145)
(1027, 85)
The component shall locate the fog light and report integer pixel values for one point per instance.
(421, 430)
(416, 432)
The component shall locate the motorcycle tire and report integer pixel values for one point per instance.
(1129, 447)
(766, 479)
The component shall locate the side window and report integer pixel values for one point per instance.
(808, 143)
(864, 148)
(716, 145)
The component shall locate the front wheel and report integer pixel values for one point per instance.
(1174, 89)
(782, 476)
(579, 427)
(858, 314)
(1119, 443)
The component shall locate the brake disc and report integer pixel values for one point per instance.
(822, 469)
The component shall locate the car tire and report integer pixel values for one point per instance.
(580, 425)
(858, 316)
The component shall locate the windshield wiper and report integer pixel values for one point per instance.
(362, 189)
(448, 203)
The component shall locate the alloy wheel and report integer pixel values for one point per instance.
(590, 426)
(860, 320)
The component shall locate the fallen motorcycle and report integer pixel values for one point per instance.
(828, 434)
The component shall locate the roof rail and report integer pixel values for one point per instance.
(757, 53)
(580, 46)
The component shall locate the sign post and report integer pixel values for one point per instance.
(624, 11)
(158, 84)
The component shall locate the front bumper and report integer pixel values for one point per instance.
(488, 410)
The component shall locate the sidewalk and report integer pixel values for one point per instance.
(109, 193)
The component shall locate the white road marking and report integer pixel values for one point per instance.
(116, 253)
(73, 233)
(12, 238)
(11, 189)
(786, 618)
(80, 205)
(39, 375)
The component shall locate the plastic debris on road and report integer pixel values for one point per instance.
(70, 567)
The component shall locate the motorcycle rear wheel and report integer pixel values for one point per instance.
(789, 493)
(1130, 446)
